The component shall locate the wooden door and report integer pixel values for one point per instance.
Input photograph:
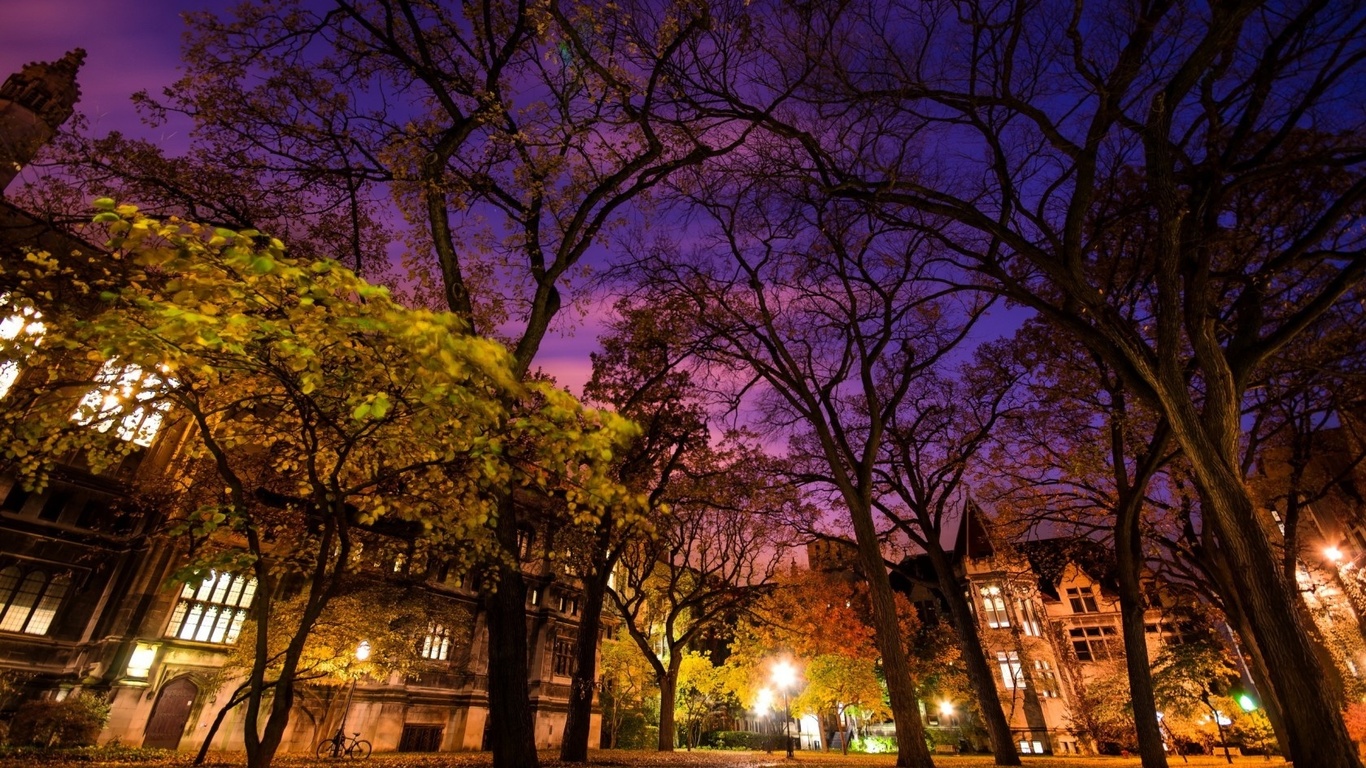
(172, 709)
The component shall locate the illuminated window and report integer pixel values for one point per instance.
(1045, 679)
(437, 645)
(1082, 600)
(994, 607)
(212, 611)
(1095, 643)
(1029, 618)
(1276, 518)
(564, 657)
(525, 538)
(1012, 674)
(22, 323)
(125, 398)
(29, 599)
(569, 605)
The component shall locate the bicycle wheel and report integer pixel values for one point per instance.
(326, 748)
(360, 749)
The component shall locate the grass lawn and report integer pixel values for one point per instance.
(104, 757)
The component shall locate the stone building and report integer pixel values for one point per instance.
(88, 598)
(1311, 490)
(1048, 617)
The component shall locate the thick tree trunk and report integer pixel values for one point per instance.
(844, 734)
(281, 706)
(974, 657)
(579, 720)
(511, 730)
(1129, 559)
(912, 751)
(1270, 702)
(668, 692)
(1313, 715)
(1237, 618)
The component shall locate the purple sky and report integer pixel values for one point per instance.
(133, 46)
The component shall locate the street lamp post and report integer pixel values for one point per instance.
(783, 677)
(362, 653)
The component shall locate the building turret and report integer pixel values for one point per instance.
(33, 105)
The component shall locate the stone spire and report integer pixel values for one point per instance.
(34, 103)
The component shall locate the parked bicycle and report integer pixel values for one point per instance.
(340, 746)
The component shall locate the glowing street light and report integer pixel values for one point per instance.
(784, 677)
(1333, 553)
(1245, 701)
(946, 708)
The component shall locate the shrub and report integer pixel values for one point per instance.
(873, 745)
(637, 734)
(743, 740)
(75, 721)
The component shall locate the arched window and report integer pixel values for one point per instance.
(17, 327)
(125, 399)
(29, 599)
(437, 645)
(994, 605)
(213, 610)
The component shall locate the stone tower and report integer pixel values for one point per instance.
(33, 105)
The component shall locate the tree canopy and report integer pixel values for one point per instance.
(312, 408)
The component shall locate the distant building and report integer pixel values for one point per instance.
(1318, 481)
(1047, 613)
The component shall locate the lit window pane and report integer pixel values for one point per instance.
(46, 611)
(234, 592)
(9, 373)
(235, 628)
(21, 322)
(212, 611)
(221, 587)
(220, 627)
(177, 617)
(124, 395)
(206, 624)
(21, 605)
(191, 623)
(9, 579)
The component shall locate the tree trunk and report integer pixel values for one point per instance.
(1128, 561)
(1216, 566)
(579, 719)
(668, 692)
(281, 706)
(511, 731)
(1313, 715)
(844, 734)
(238, 697)
(911, 749)
(974, 656)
